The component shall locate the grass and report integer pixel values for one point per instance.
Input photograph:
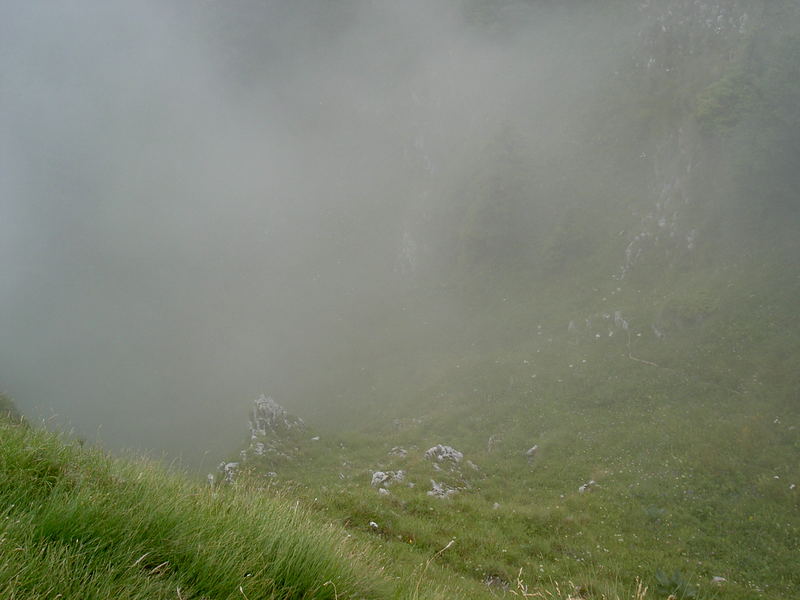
(693, 451)
(75, 523)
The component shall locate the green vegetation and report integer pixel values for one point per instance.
(693, 454)
(77, 524)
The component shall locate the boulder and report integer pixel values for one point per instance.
(269, 417)
(441, 453)
(441, 490)
(386, 478)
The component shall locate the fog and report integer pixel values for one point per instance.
(205, 201)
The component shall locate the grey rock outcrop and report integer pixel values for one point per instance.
(444, 454)
(441, 490)
(228, 471)
(384, 479)
(269, 417)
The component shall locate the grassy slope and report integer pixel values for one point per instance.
(693, 460)
(78, 524)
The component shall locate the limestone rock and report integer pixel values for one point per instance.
(441, 453)
(441, 490)
(228, 470)
(384, 479)
(269, 417)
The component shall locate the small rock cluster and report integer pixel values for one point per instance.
(384, 479)
(441, 490)
(444, 454)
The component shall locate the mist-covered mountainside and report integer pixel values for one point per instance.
(203, 204)
(595, 314)
(528, 270)
(648, 176)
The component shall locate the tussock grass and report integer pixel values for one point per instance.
(75, 523)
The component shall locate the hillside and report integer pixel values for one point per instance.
(79, 524)
(625, 304)
(528, 270)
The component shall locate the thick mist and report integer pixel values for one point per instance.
(202, 202)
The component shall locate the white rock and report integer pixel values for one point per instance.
(441, 490)
(378, 477)
(383, 492)
(267, 416)
(229, 470)
(442, 453)
(717, 579)
(387, 478)
(373, 524)
(531, 452)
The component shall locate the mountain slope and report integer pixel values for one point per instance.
(78, 524)
(624, 302)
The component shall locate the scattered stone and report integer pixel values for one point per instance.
(442, 453)
(441, 490)
(315, 438)
(531, 452)
(387, 478)
(472, 465)
(718, 580)
(383, 492)
(793, 486)
(496, 506)
(228, 470)
(259, 449)
(587, 486)
(373, 524)
(378, 477)
(497, 582)
(398, 451)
